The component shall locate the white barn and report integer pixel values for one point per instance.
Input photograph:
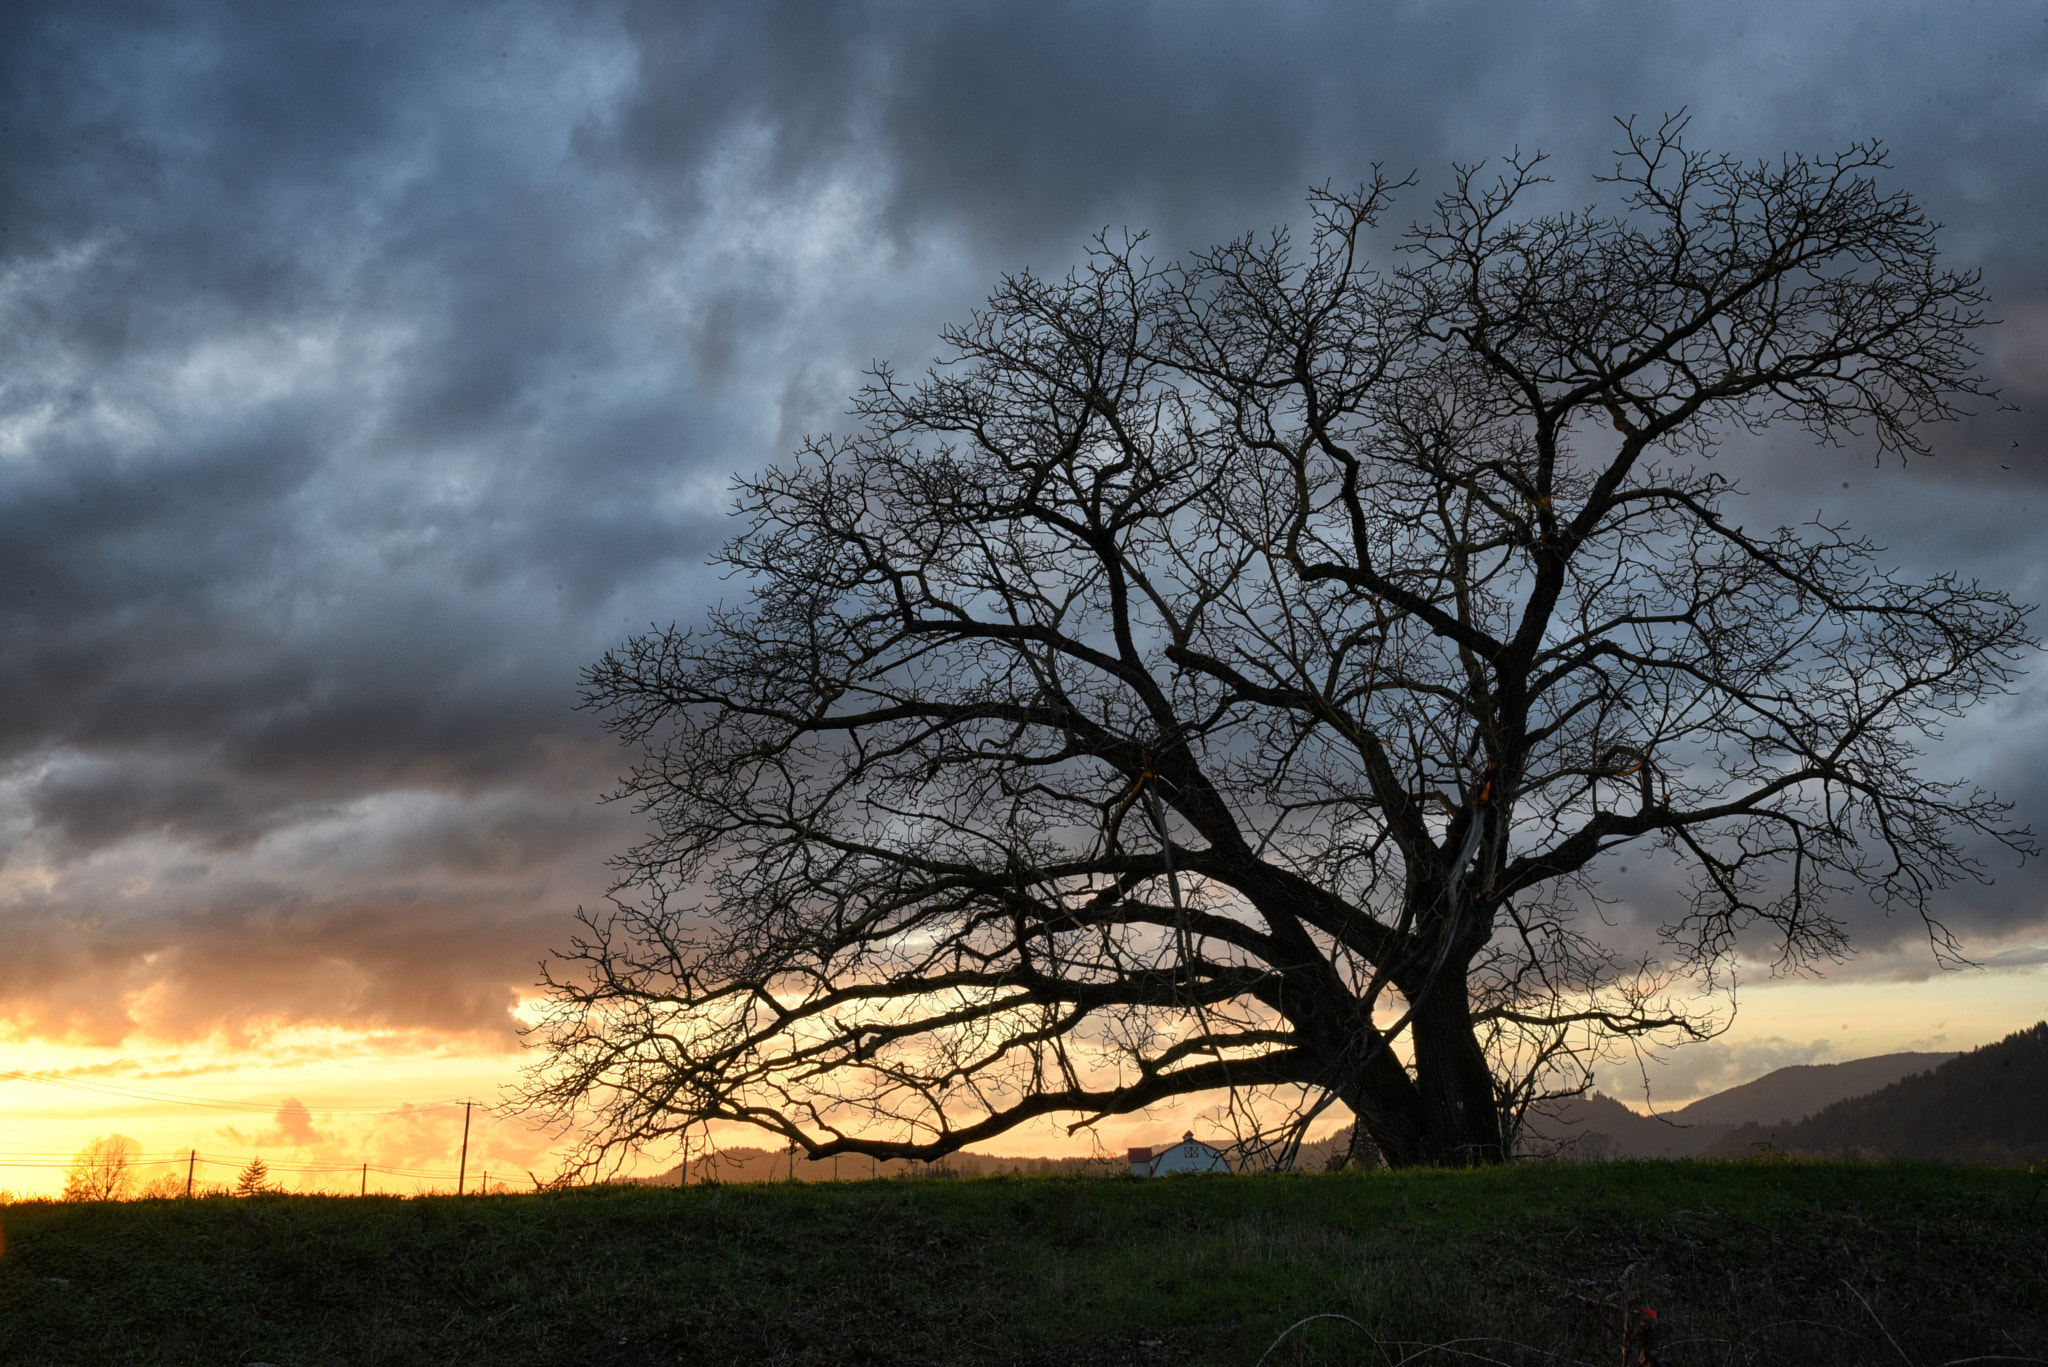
(1190, 1155)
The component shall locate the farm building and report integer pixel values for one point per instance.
(1190, 1155)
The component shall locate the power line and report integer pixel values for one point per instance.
(423, 1174)
(237, 1161)
(211, 1103)
(47, 1158)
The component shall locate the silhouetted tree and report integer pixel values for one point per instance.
(165, 1186)
(254, 1179)
(1231, 674)
(103, 1170)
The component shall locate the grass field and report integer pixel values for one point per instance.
(1742, 1263)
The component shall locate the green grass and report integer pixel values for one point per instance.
(1744, 1263)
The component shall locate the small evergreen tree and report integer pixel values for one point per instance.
(253, 1180)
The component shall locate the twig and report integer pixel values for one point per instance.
(1451, 1347)
(1310, 1320)
(1880, 1323)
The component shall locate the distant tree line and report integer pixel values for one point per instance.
(754, 1164)
(105, 1170)
(110, 1168)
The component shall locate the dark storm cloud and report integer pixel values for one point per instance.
(1029, 122)
(365, 371)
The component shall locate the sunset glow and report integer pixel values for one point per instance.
(393, 1101)
(369, 374)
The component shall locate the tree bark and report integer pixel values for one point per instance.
(1460, 1112)
(1448, 1112)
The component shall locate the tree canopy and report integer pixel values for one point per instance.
(1229, 675)
(104, 1170)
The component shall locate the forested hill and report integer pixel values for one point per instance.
(1986, 1106)
(1595, 1126)
(1799, 1091)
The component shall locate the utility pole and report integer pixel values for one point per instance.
(462, 1165)
(190, 1164)
(366, 1181)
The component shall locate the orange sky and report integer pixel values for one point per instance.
(386, 1098)
(371, 371)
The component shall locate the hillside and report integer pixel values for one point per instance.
(1797, 1092)
(1596, 1126)
(1986, 1106)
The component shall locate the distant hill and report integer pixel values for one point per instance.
(1597, 1126)
(762, 1165)
(1978, 1114)
(1987, 1106)
(1797, 1092)
(1594, 1127)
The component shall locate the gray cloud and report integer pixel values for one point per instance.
(364, 372)
(1702, 1069)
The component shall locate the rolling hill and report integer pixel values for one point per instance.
(1987, 1106)
(1597, 1126)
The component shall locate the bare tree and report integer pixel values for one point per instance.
(103, 1170)
(165, 1186)
(1231, 675)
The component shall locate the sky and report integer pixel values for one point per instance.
(367, 370)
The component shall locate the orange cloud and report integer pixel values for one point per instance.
(292, 1128)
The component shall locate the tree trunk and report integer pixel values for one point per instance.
(1460, 1118)
(1447, 1114)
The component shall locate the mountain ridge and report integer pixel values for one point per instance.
(1987, 1106)
(1597, 1126)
